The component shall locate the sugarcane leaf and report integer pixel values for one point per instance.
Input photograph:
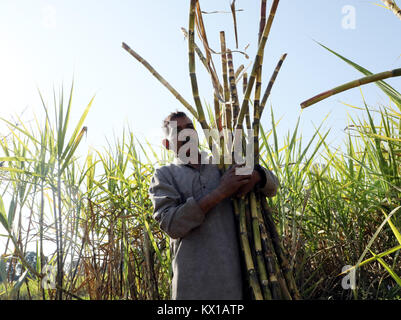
(382, 161)
(376, 234)
(20, 130)
(388, 268)
(3, 215)
(374, 258)
(20, 171)
(19, 140)
(385, 138)
(60, 142)
(77, 130)
(67, 117)
(72, 149)
(394, 229)
(15, 159)
(11, 212)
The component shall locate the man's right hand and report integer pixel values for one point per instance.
(230, 182)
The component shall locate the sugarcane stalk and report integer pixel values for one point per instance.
(233, 87)
(233, 11)
(206, 64)
(256, 106)
(256, 115)
(253, 279)
(238, 72)
(278, 285)
(217, 113)
(258, 248)
(244, 85)
(393, 7)
(161, 79)
(248, 224)
(227, 108)
(279, 250)
(271, 82)
(234, 94)
(210, 66)
(351, 85)
(219, 127)
(258, 59)
(210, 69)
(192, 71)
(271, 266)
(247, 290)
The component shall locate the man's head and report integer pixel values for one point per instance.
(180, 121)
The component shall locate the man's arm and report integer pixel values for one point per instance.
(269, 183)
(177, 217)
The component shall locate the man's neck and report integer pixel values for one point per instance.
(198, 164)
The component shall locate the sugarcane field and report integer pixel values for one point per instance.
(201, 150)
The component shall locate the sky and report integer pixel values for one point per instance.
(45, 44)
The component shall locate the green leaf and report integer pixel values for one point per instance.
(3, 216)
(11, 212)
(72, 149)
(15, 159)
(67, 117)
(383, 254)
(78, 128)
(375, 235)
(389, 269)
(394, 229)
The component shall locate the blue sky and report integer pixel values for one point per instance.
(45, 43)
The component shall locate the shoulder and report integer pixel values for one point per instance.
(168, 171)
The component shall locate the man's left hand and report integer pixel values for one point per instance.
(255, 178)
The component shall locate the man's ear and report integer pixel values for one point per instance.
(166, 144)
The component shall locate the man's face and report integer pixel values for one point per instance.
(183, 123)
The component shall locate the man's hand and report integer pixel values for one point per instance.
(230, 183)
(243, 190)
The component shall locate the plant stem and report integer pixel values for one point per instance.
(258, 59)
(351, 85)
(393, 7)
(161, 79)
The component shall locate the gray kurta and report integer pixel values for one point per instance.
(205, 251)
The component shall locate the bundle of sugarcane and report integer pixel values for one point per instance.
(269, 275)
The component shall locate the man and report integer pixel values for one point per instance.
(192, 205)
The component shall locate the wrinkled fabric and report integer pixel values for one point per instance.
(205, 251)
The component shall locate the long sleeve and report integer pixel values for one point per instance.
(175, 216)
(269, 189)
